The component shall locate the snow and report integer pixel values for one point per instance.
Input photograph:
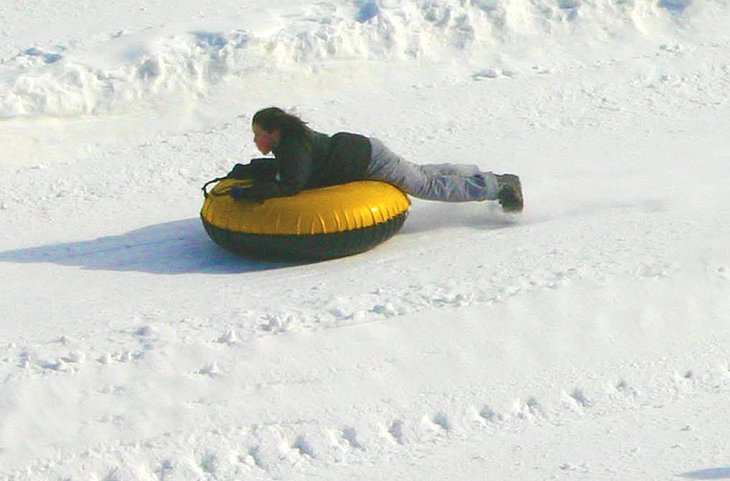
(584, 339)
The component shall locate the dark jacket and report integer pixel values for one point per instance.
(317, 161)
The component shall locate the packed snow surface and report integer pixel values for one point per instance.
(586, 338)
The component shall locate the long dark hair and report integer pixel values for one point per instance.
(290, 126)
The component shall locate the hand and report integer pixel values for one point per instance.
(240, 171)
(243, 193)
(238, 193)
(259, 169)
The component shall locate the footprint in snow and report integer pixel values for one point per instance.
(624, 388)
(578, 399)
(442, 421)
(487, 73)
(528, 410)
(492, 73)
(490, 415)
(304, 449)
(396, 431)
(350, 436)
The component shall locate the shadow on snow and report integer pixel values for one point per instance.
(713, 473)
(183, 246)
(171, 248)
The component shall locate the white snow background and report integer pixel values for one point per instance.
(587, 339)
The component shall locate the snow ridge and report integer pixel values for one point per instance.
(158, 66)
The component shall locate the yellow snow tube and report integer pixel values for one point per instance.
(321, 223)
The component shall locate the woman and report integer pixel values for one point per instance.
(305, 159)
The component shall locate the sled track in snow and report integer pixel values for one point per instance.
(274, 448)
(215, 374)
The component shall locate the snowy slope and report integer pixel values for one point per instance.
(585, 339)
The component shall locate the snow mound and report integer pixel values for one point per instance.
(153, 67)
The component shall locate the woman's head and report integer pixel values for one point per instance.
(271, 125)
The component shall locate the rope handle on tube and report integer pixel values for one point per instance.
(205, 186)
(222, 192)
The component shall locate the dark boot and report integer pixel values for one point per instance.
(510, 193)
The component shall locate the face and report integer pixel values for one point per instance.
(265, 141)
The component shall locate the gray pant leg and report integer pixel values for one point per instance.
(444, 182)
(467, 170)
